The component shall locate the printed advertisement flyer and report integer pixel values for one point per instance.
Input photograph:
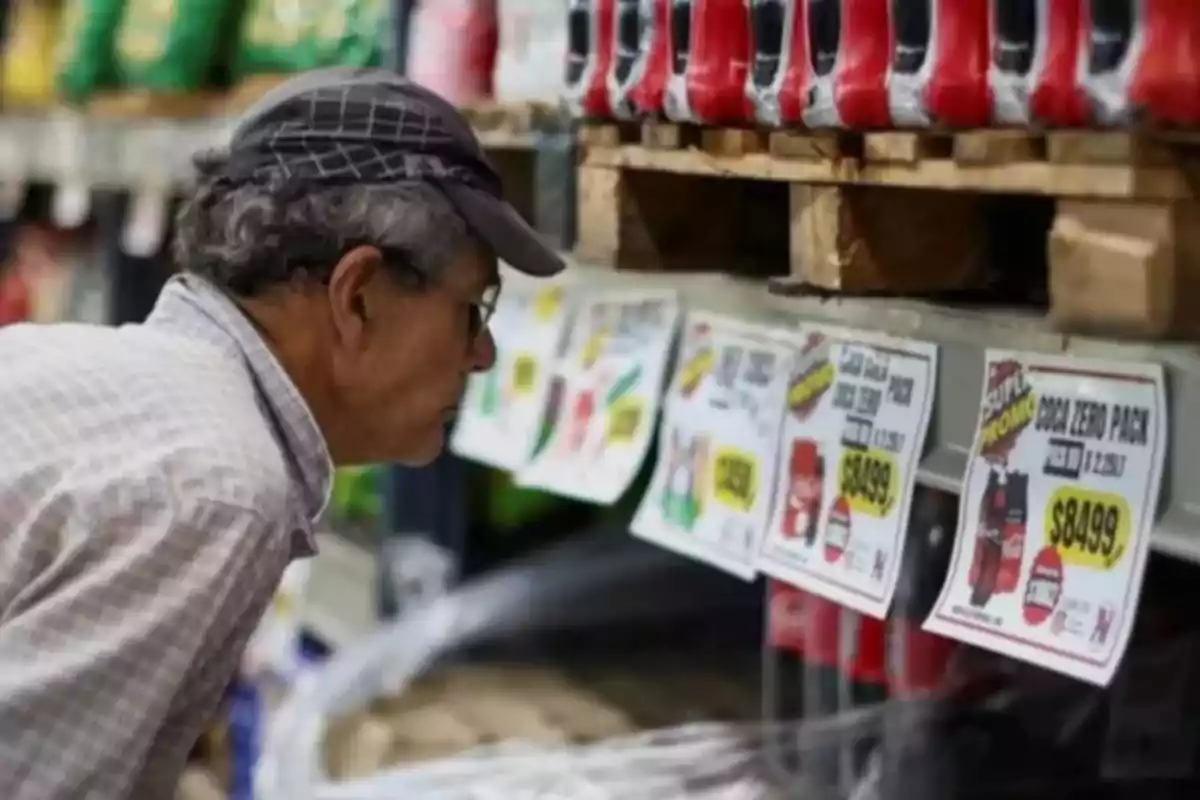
(710, 495)
(854, 425)
(501, 414)
(604, 396)
(1057, 509)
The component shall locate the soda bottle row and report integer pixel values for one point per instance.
(877, 64)
(946, 721)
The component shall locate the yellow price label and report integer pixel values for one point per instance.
(810, 386)
(735, 479)
(1088, 528)
(546, 303)
(524, 373)
(624, 420)
(869, 480)
(691, 373)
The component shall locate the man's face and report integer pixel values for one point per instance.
(402, 356)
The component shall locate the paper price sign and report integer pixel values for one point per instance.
(709, 497)
(502, 410)
(858, 408)
(606, 388)
(1056, 513)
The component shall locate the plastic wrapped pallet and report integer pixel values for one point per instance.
(28, 66)
(453, 48)
(85, 58)
(285, 36)
(532, 50)
(173, 45)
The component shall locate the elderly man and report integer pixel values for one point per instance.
(338, 268)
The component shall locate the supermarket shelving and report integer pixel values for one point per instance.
(963, 335)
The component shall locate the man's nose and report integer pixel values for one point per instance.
(483, 351)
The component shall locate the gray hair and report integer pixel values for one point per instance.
(249, 238)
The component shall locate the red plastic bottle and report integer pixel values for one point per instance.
(1142, 60)
(638, 75)
(454, 48)
(1033, 73)
(939, 63)
(822, 685)
(710, 58)
(589, 58)
(783, 673)
(849, 45)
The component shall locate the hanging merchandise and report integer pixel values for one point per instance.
(285, 36)
(1058, 503)
(173, 45)
(611, 377)
(710, 59)
(85, 57)
(848, 56)
(858, 408)
(589, 57)
(31, 30)
(1034, 58)
(1142, 61)
(862, 684)
(502, 415)
(822, 691)
(913, 762)
(778, 78)
(638, 75)
(710, 495)
(939, 63)
(783, 674)
(533, 38)
(453, 48)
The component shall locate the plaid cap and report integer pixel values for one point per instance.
(371, 126)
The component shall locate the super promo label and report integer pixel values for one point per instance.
(857, 412)
(500, 418)
(604, 396)
(710, 494)
(1056, 513)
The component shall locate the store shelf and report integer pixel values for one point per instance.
(963, 335)
(69, 148)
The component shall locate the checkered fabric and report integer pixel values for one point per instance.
(155, 481)
(370, 126)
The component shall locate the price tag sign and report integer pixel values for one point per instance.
(610, 381)
(710, 495)
(857, 412)
(1057, 509)
(500, 419)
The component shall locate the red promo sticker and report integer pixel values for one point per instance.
(1044, 587)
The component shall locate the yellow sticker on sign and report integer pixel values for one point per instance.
(870, 481)
(1088, 528)
(546, 303)
(624, 420)
(524, 373)
(693, 372)
(810, 386)
(735, 479)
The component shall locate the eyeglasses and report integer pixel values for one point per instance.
(482, 311)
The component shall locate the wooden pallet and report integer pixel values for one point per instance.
(905, 212)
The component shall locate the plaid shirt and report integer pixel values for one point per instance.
(155, 481)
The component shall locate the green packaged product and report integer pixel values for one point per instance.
(85, 57)
(174, 45)
(284, 36)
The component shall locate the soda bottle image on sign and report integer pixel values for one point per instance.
(989, 535)
(806, 480)
(1016, 516)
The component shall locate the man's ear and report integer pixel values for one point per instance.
(352, 284)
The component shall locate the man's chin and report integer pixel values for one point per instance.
(425, 452)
